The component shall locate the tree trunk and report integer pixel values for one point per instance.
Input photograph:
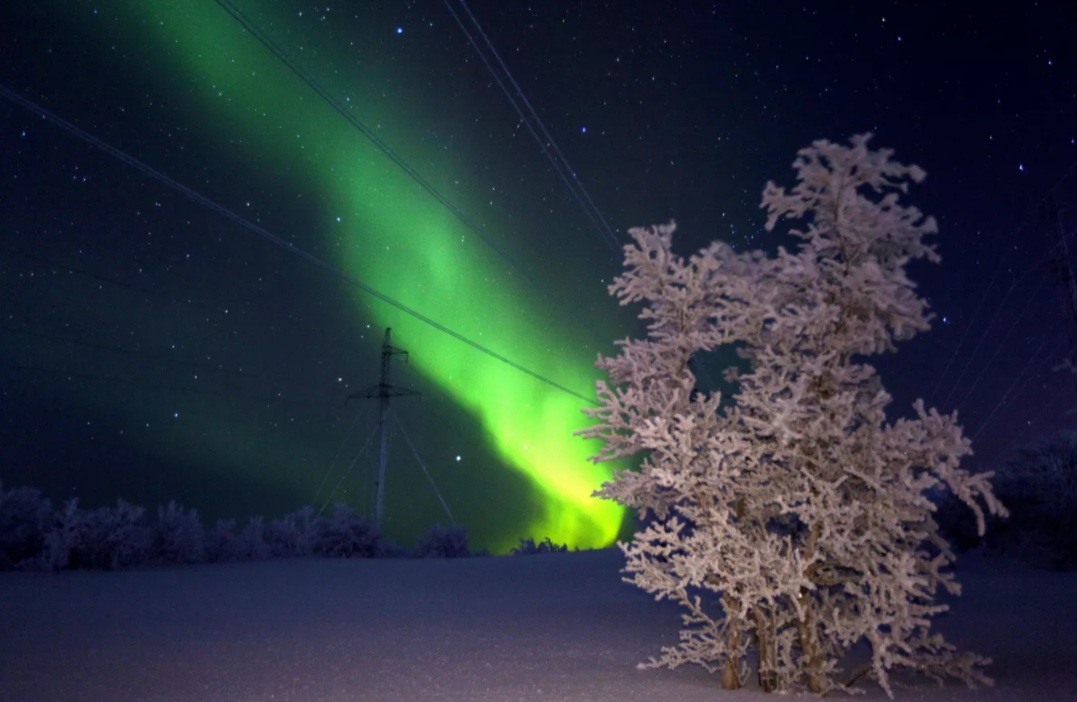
(731, 675)
(811, 648)
(731, 679)
(767, 645)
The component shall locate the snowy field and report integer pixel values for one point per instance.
(546, 627)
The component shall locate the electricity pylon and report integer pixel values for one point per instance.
(1065, 270)
(383, 391)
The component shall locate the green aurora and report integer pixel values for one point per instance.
(398, 239)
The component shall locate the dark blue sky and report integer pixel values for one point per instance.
(664, 110)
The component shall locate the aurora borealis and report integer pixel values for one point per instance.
(154, 350)
(397, 239)
(384, 230)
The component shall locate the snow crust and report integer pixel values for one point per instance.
(558, 626)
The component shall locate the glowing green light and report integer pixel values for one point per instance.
(399, 240)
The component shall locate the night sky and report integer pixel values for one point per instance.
(191, 329)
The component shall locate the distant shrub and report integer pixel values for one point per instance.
(528, 547)
(223, 543)
(443, 542)
(347, 535)
(25, 518)
(32, 535)
(1039, 486)
(63, 537)
(109, 538)
(254, 541)
(178, 536)
(294, 535)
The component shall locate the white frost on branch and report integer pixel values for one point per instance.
(793, 522)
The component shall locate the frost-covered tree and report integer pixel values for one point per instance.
(253, 539)
(443, 542)
(793, 522)
(178, 535)
(295, 534)
(345, 534)
(1039, 485)
(528, 547)
(105, 538)
(64, 536)
(24, 520)
(223, 543)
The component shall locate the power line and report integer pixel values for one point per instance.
(277, 400)
(273, 238)
(59, 338)
(1002, 400)
(968, 328)
(560, 163)
(419, 460)
(1051, 250)
(344, 112)
(347, 472)
(983, 337)
(1065, 268)
(114, 379)
(333, 463)
(999, 345)
(105, 279)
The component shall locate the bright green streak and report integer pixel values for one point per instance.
(396, 238)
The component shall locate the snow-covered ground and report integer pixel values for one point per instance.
(548, 627)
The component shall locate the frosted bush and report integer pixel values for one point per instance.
(62, 537)
(347, 535)
(224, 544)
(179, 536)
(528, 547)
(443, 542)
(24, 520)
(1039, 486)
(109, 538)
(106, 538)
(253, 541)
(792, 523)
(294, 535)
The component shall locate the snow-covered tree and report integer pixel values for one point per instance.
(63, 537)
(1039, 484)
(254, 544)
(443, 542)
(178, 535)
(24, 520)
(345, 534)
(223, 543)
(793, 522)
(105, 538)
(295, 534)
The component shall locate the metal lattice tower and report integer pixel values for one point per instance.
(1065, 270)
(383, 391)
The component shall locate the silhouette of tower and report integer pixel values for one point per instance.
(383, 391)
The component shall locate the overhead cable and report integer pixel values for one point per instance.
(344, 112)
(273, 238)
(546, 141)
